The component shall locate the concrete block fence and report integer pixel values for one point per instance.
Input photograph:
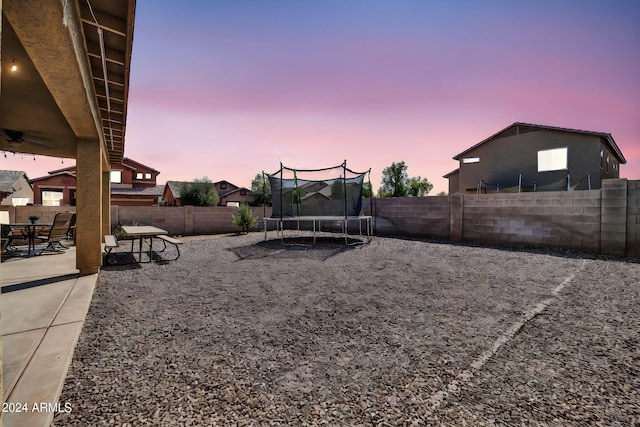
(183, 220)
(603, 221)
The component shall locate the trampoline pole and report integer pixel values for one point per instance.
(344, 186)
(264, 202)
(281, 171)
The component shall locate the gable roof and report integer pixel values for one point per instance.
(68, 168)
(239, 189)
(126, 162)
(137, 191)
(174, 187)
(450, 174)
(133, 164)
(52, 174)
(8, 178)
(605, 136)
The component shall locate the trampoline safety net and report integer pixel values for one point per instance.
(334, 191)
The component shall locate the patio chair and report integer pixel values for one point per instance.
(7, 234)
(57, 232)
(71, 233)
(7, 239)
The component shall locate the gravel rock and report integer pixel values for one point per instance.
(390, 333)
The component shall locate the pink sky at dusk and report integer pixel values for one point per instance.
(227, 89)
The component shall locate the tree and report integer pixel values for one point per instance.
(394, 180)
(366, 190)
(199, 192)
(419, 186)
(261, 190)
(244, 219)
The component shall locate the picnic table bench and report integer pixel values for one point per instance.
(111, 243)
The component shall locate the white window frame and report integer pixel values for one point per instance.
(553, 159)
(471, 160)
(115, 177)
(47, 200)
(19, 201)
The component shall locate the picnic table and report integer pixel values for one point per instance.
(142, 233)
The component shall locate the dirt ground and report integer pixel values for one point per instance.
(393, 332)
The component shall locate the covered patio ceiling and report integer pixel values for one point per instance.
(58, 92)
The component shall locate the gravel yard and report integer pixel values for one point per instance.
(243, 332)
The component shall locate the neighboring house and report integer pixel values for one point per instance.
(528, 157)
(56, 189)
(132, 184)
(230, 194)
(15, 188)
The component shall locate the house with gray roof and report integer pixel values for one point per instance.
(15, 188)
(230, 194)
(132, 184)
(530, 157)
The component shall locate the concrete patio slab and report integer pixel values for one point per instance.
(43, 306)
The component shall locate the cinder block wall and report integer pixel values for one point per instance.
(183, 220)
(613, 235)
(46, 213)
(633, 219)
(553, 219)
(411, 216)
(600, 221)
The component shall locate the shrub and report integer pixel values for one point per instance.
(199, 192)
(244, 218)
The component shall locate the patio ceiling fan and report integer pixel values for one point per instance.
(15, 139)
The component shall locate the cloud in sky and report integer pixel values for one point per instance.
(229, 88)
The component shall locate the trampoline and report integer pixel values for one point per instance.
(316, 196)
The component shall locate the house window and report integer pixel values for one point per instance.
(51, 198)
(601, 157)
(471, 160)
(19, 201)
(139, 175)
(223, 185)
(552, 160)
(147, 176)
(116, 177)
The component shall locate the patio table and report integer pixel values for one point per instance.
(141, 232)
(30, 229)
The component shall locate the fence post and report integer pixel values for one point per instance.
(613, 217)
(456, 208)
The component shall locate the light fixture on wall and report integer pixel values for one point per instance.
(14, 67)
